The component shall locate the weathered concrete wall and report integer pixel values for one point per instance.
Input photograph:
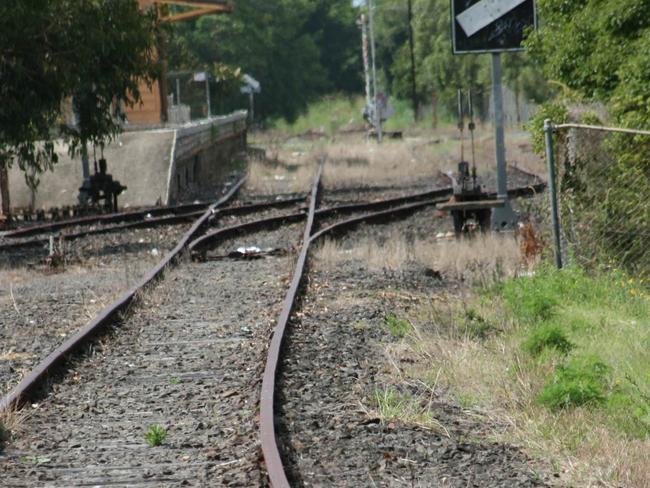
(203, 158)
(158, 166)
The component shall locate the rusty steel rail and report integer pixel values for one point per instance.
(128, 216)
(108, 315)
(270, 450)
(275, 222)
(155, 222)
(196, 247)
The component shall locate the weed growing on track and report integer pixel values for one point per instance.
(391, 405)
(155, 435)
(398, 328)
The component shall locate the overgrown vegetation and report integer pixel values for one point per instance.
(155, 435)
(560, 357)
(589, 328)
(597, 51)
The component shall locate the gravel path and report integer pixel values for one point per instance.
(40, 308)
(189, 358)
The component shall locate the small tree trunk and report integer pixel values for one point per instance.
(4, 191)
(434, 106)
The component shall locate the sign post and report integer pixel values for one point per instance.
(494, 26)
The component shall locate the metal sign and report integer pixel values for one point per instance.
(250, 85)
(483, 26)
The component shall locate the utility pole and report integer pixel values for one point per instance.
(377, 114)
(414, 89)
(366, 56)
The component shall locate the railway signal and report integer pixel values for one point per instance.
(494, 26)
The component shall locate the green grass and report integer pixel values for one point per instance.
(155, 435)
(334, 112)
(582, 381)
(329, 114)
(588, 336)
(398, 327)
(390, 405)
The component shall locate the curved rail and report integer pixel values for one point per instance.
(270, 449)
(127, 216)
(155, 222)
(38, 374)
(269, 441)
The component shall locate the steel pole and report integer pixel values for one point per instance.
(499, 133)
(371, 16)
(552, 190)
(366, 63)
(504, 217)
(207, 93)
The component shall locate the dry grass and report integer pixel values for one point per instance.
(10, 422)
(580, 450)
(269, 179)
(352, 161)
(481, 260)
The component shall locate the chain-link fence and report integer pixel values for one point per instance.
(602, 195)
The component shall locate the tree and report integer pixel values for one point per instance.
(438, 70)
(598, 49)
(51, 50)
(298, 50)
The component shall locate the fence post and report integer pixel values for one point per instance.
(555, 221)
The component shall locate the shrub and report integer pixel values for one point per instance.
(532, 300)
(547, 336)
(556, 112)
(582, 381)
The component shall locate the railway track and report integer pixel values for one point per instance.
(187, 356)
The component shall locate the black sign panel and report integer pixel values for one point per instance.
(482, 26)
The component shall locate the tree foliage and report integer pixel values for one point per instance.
(298, 50)
(438, 70)
(599, 49)
(52, 50)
